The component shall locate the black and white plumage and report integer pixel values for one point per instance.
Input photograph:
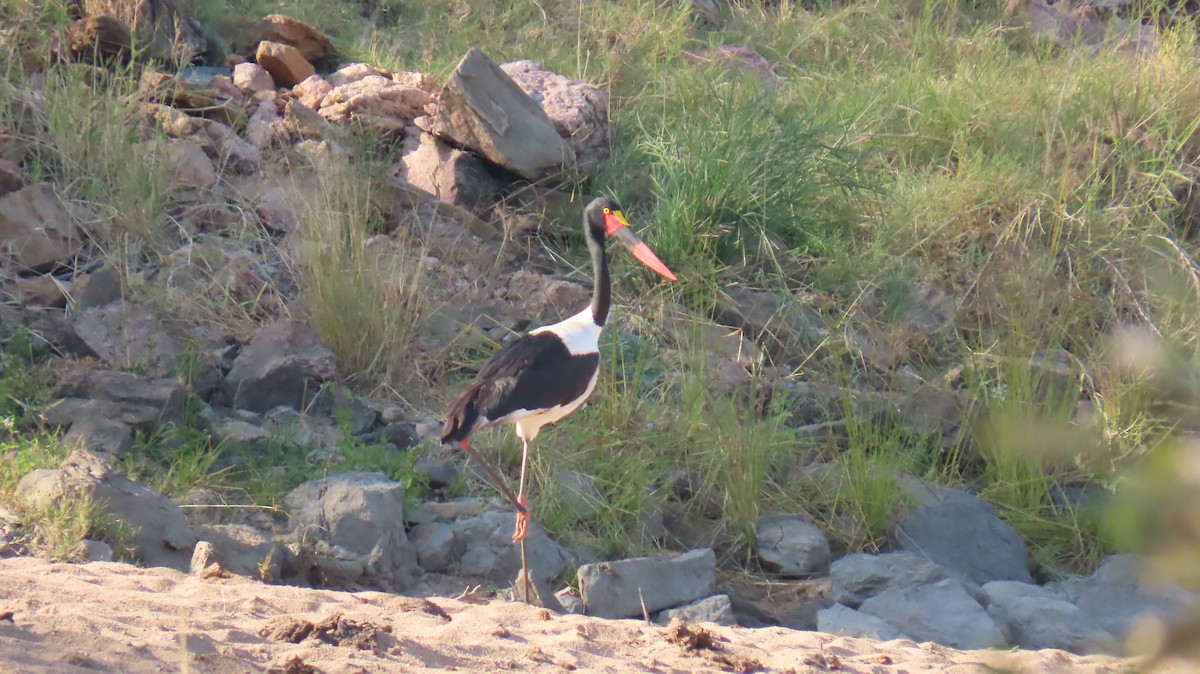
(548, 373)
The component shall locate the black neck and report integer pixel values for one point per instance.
(602, 290)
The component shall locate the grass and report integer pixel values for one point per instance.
(899, 147)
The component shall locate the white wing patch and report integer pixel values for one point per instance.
(579, 333)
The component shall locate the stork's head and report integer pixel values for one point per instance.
(604, 218)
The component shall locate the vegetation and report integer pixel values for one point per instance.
(899, 152)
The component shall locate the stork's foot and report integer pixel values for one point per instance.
(522, 528)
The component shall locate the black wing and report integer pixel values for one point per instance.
(534, 372)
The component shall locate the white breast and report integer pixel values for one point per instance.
(579, 332)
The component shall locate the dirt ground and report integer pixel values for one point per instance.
(107, 617)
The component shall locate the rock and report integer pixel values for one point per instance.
(847, 622)
(715, 609)
(206, 562)
(119, 396)
(304, 121)
(239, 548)
(40, 291)
(312, 91)
(1122, 593)
(578, 111)
(353, 72)
(437, 548)
(1036, 617)
(482, 109)
(402, 434)
(449, 511)
(942, 612)
(98, 288)
(439, 471)
(451, 175)
(283, 364)
(791, 545)
(163, 32)
(285, 63)
(161, 535)
(274, 207)
(782, 324)
(12, 177)
(219, 141)
(962, 534)
(313, 45)
(579, 494)
(252, 78)
(94, 551)
(375, 102)
(36, 230)
(619, 589)
(489, 552)
(856, 577)
(239, 433)
(570, 601)
(185, 164)
(128, 335)
(100, 436)
(361, 513)
(100, 39)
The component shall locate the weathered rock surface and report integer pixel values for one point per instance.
(100, 39)
(856, 577)
(482, 109)
(962, 534)
(845, 621)
(129, 335)
(715, 609)
(790, 544)
(375, 102)
(578, 111)
(161, 535)
(116, 396)
(447, 173)
(1121, 593)
(185, 164)
(252, 78)
(360, 513)
(36, 231)
(12, 176)
(313, 45)
(942, 612)
(489, 553)
(619, 589)
(1035, 617)
(100, 436)
(285, 63)
(164, 33)
(437, 548)
(283, 365)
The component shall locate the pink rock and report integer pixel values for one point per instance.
(374, 101)
(312, 91)
(355, 72)
(578, 111)
(252, 78)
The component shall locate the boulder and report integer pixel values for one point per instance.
(962, 534)
(161, 535)
(117, 396)
(482, 109)
(252, 78)
(578, 111)
(42, 290)
(100, 436)
(716, 609)
(789, 544)
(285, 63)
(450, 174)
(304, 121)
(1037, 617)
(163, 32)
(129, 335)
(489, 553)
(36, 230)
(97, 288)
(437, 548)
(184, 164)
(313, 45)
(12, 176)
(283, 365)
(375, 102)
(1122, 593)
(312, 91)
(854, 578)
(361, 513)
(240, 548)
(847, 622)
(264, 125)
(941, 612)
(621, 589)
(353, 72)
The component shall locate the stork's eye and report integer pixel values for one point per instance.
(608, 211)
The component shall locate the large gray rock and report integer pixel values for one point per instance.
(489, 553)
(100, 436)
(161, 535)
(962, 534)
(1121, 593)
(241, 548)
(128, 335)
(847, 622)
(789, 544)
(1036, 617)
(856, 577)
(117, 396)
(437, 548)
(450, 174)
(619, 589)
(361, 514)
(482, 109)
(942, 612)
(36, 230)
(578, 111)
(715, 609)
(283, 365)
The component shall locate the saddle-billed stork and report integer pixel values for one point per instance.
(547, 373)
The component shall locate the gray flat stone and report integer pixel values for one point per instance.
(716, 609)
(942, 612)
(618, 589)
(789, 544)
(1036, 617)
(856, 577)
(847, 622)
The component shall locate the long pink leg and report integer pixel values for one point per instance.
(522, 528)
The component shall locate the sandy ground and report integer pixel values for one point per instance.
(105, 617)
